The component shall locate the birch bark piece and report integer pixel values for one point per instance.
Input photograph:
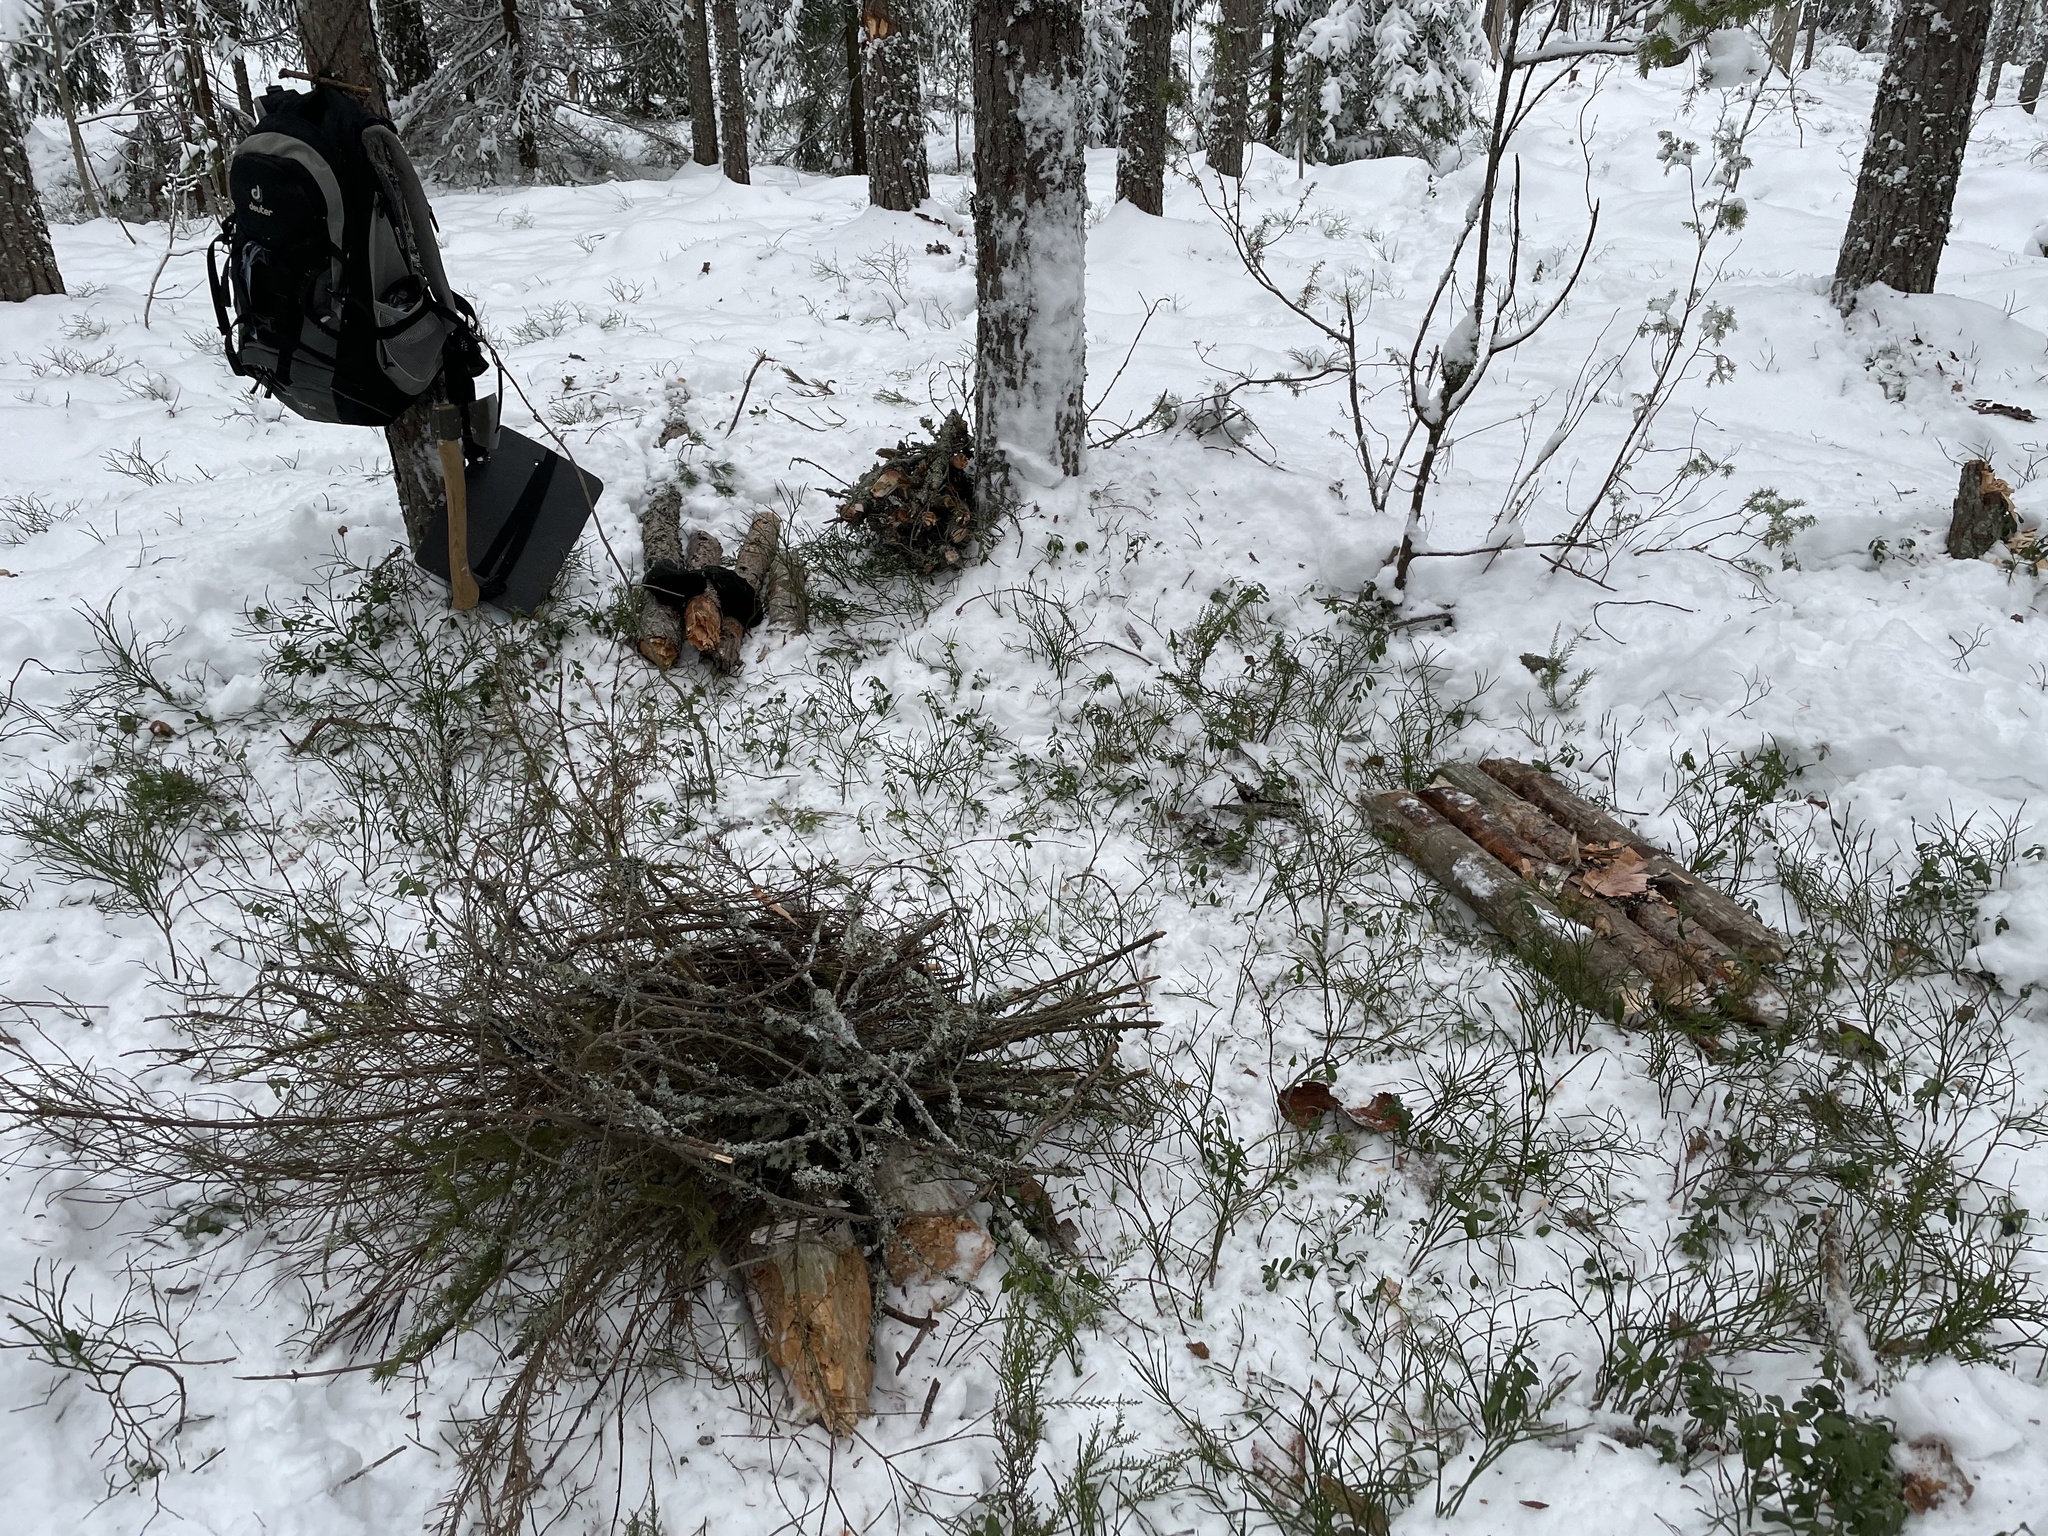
(1560, 947)
(1712, 908)
(660, 631)
(815, 1311)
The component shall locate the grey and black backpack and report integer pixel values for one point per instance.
(334, 299)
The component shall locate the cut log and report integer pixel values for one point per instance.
(675, 421)
(1569, 952)
(1558, 844)
(1675, 983)
(789, 598)
(815, 1310)
(659, 633)
(752, 565)
(703, 621)
(1984, 512)
(1713, 909)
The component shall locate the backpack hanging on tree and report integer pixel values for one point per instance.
(335, 300)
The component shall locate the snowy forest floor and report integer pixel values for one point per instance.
(1480, 1327)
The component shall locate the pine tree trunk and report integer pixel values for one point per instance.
(857, 92)
(526, 133)
(1284, 28)
(703, 102)
(898, 177)
(1918, 132)
(1030, 247)
(1148, 93)
(732, 91)
(340, 41)
(1237, 40)
(28, 266)
(404, 25)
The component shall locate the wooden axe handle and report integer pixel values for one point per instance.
(462, 588)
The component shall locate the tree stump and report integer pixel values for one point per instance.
(1984, 512)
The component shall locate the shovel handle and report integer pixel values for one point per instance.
(462, 588)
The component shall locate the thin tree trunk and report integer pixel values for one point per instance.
(28, 265)
(2034, 49)
(732, 91)
(2005, 36)
(340, 41)
(145, 150)
(703, 103)
(526, 134)
(406, 45)
(65, 105)
(1030, 247)
(1919, 129)
(1148, 93)
(857, 91)
(1284, 28)
(898, 177)
(1237, 39)
(244, 97)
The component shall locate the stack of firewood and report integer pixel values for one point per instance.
(920, 498)
(1614, 919)
(692, 596)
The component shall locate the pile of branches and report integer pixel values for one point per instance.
(920, 498)
(567, 1102)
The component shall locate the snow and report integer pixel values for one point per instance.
(1914, 688)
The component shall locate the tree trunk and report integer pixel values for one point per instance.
(1914, 156)
(28, 266)
(526, 134)
(898, 177)
(856, 91)
(703, 102)
(406, 45)
(86, 185)
(1148, 93)
(1284, 28)
(2030, 83)
(144, 150)
(732, 91)
(1237, 39)
(2004, 41)
(340, 41)
(1030, 247)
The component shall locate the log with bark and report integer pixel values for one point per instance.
(1639, 930)
(1983, 514)
(814, 1307)
(660, 633)
(712, 604)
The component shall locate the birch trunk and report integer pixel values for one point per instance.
(1030, 238)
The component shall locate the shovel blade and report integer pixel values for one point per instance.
(527, 508)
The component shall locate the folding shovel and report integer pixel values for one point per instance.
(513, 514)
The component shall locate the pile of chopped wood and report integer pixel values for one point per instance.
(693, 596)
(1615, 920)
(920, 498)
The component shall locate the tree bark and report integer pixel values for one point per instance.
(2030, 83)
(898, 177)
(732, 91)
(1237, 40)
(1284, 28)
(86, 185)
(406, 46)
(1030, 247)
(703, 100)
(1918, 132)
(857, 94)
(28, 265)
(1148, 93)
(2003, 42)
(340, 41)
(526, 133)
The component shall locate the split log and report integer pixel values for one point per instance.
(1567, 951)
(752, 565)
(703, 618)
(1712, 909)
(1984, 512)
(659, 635)
(815, 1310)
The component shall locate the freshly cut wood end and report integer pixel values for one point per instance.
(703, 621)
(815, 1311)
(936, 1246)
(663, 652)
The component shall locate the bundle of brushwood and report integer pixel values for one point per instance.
(692, 596)
(920, 498)
(585, 1089)
(1617, 922)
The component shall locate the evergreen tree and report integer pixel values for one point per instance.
(1392, 77)
(1150, 89)
(897, 174)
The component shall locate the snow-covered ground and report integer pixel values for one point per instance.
(1913, 688)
